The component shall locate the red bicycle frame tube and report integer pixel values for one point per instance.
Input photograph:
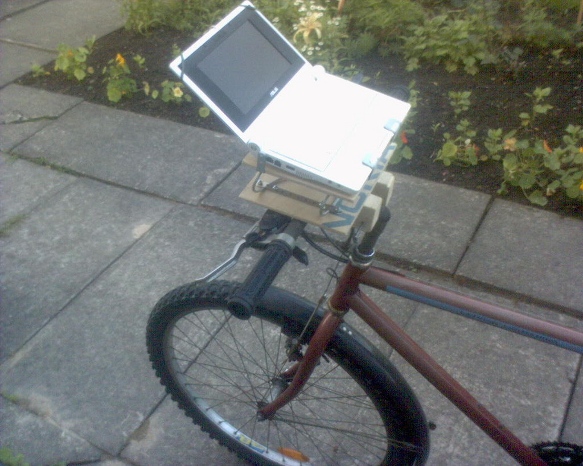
(441, 380)
(491, 314)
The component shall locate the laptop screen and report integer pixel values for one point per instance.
(242, 67)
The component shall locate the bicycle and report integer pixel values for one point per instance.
(283, 381)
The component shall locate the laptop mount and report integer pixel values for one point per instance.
(314, 203)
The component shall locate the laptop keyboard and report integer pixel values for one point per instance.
(317, 125)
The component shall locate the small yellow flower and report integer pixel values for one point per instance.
(120, 60)
(581, 186)
(581, 150)
(510, 144)
(177, 92)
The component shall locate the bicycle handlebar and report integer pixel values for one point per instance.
(243, 301)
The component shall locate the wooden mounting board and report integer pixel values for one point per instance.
(361, 210)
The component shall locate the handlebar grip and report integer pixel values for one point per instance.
(366, 247)
(243, 301)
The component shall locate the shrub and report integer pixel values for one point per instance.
(452, 39)
(383, 20)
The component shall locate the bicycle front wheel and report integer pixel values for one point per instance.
(355, 409)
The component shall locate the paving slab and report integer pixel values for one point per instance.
(23, 185)
(89, 365)
(53, 445)
(51, 254)
(226, 195)
(25, 110)
(529, 251)
(573, 430)
(167, 159)
(10, 7)
(431, 223)
(62, 21)
(169, 438)
(17, 60)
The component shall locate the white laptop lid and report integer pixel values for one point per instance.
(235, 84)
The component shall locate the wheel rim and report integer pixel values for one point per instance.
(226, 368)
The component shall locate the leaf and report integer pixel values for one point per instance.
(114, 94)
(510, 162)
(552, 161)
(79, 74)
(538, 198)
(574, 192)
(406, 153)
(542, 108)
(449, 150)
(527, 181)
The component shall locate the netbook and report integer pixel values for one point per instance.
(291, 114)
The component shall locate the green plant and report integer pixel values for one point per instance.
(38, 71)
(73, 61)
(454, 40)
(320, 35)
(403, 150)
(537, 169)
(119, 81)
(8, 458)
(531, 164)
(383, 21)
(460, 101)
(172, 92)
(538, 106)
(537, 29)
(144, 15)
(511, 60)
(459, 147)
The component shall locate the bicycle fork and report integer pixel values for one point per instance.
(300, 372)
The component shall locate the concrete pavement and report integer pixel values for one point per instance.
(103, 211)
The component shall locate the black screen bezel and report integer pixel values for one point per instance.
(190, 67)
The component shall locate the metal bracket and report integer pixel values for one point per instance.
(325, 206)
